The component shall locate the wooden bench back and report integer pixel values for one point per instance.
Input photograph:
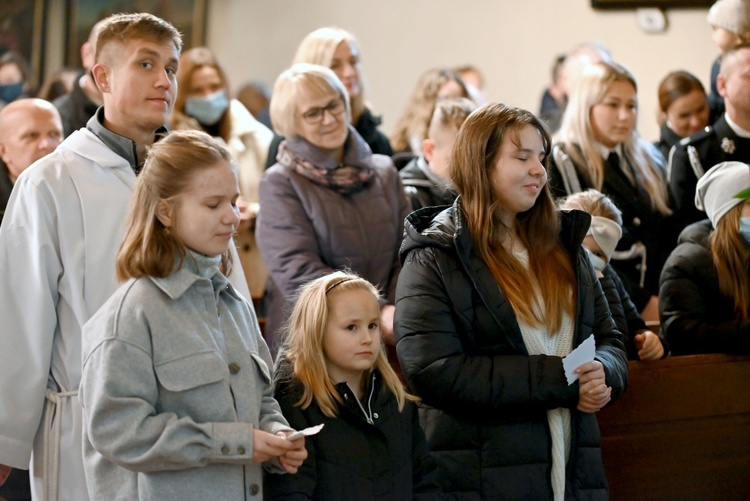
(681, 431)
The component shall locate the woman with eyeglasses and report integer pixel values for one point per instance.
(328, 203)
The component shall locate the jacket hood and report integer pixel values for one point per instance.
(696, 233)
(445, 227)
(431, 227)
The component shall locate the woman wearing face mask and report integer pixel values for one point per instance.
(203, 102)
(598, 147)
(14, 74)
(704, 299)
(683, 109)
(329, 202)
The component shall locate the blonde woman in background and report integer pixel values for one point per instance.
(204, 103)
(598, 147)
(339, 50)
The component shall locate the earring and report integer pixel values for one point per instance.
(165, 231)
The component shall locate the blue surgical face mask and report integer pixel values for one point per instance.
(745, 229)
(208, 109)
(596, 261)
(11, 92)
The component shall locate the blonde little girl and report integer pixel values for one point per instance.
(332, 370)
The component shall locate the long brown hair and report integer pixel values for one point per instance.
(731, 259)
(172, 163)
(550, 269)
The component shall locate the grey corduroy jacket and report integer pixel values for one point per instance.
(175, 378)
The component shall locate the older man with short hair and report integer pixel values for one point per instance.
(29, 129)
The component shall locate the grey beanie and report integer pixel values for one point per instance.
(717, 189)
(732, 15)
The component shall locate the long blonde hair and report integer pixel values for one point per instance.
(302, 350)
(148, 248)
(577, 131)
(551, 268)
(731, 259)
(319, 46)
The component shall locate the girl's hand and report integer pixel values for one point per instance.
(293, 459)
(593, 390)
(649, 346)
(267, 446)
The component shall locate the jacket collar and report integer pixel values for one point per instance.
(195, 268)
(121, 145)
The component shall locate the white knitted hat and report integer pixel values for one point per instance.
(717, 189)
(732, 15)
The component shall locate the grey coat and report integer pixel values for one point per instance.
(175, 378)
(306, 230)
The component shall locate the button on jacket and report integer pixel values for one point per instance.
(175, 378)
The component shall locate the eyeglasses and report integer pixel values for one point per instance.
(315, 115)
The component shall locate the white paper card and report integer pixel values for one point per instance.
(306, 432)
(583, 354)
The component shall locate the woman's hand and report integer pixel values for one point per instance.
(593, 390)
(293, 459)
(268, 446)
(649, 346)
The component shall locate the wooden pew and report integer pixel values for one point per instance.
(681, 430)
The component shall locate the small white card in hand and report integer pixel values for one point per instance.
(582, 355)
(305, 433)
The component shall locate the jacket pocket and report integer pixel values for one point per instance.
(191, 371)
(262, 368)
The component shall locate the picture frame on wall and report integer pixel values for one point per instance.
(22, 31)
(661, 4)
(188, 16)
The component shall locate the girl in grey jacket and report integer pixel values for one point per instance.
(177, 387)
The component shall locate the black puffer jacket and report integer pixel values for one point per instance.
(486, 398)
(351, 459)
(695, 315)
(627, 319)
